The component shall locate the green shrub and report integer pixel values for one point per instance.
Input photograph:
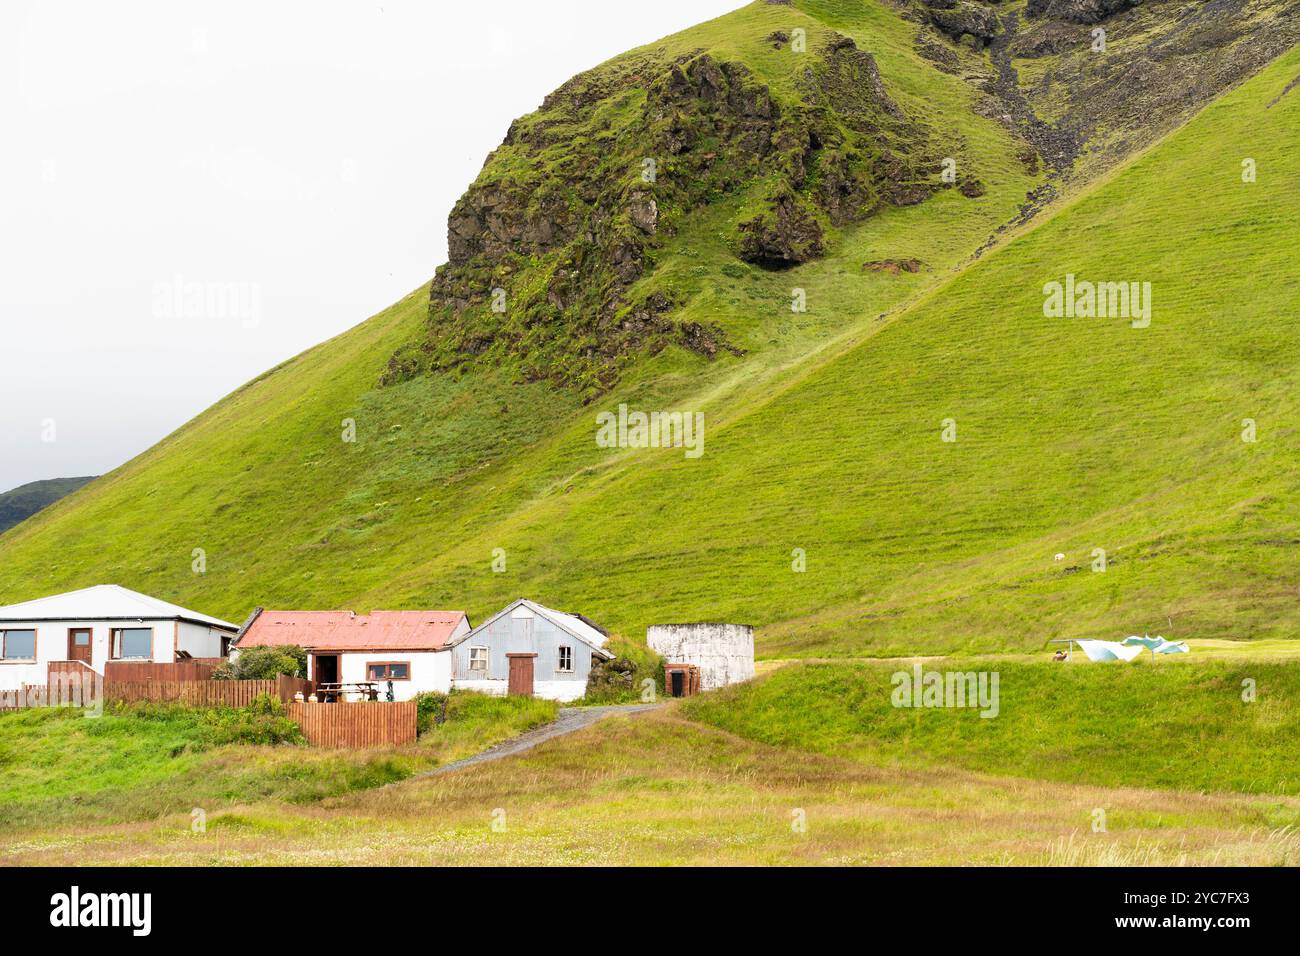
(262, 722)
(518, 713)
(430, 710)
(622, 680)
(264, 663)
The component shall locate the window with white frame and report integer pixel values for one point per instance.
(565, 665)
(478, 659)
(18, 645)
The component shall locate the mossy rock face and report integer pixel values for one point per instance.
(1079, 11)
(965, 21)
(552, 249)
(786, 234)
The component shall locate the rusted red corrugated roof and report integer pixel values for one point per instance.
(344, 630)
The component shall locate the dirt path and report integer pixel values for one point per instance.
(570, 720)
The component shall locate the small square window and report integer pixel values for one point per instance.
(478, 658)
(565, 665)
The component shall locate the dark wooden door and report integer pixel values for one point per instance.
(325, 668)
(521, 674)
(79, 645)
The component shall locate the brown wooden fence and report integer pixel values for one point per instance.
(76, 669)
(29, 695)
(368, 724)
(134, 671)
(206, 693)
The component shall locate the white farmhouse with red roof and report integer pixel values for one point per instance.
(524, 648)
(407, 648)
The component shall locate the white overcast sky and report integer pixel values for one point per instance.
(291, 162)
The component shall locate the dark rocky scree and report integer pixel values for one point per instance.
(1108, 104)
(975, 22)
(1120, 101)
(1079, 11)
(563, 220)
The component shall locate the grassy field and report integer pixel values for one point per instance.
(1177, 726)
(823, 442)
(62, 769)
(657, 789)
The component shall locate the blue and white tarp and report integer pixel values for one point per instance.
(1129, 648)
(1109, 650)
(1158, 645)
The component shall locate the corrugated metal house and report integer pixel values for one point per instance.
(528, 649)
(408, 648)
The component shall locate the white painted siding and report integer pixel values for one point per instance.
(52, 645)
(200, 640)
(561, 690)
(430, 670)
(497, 688)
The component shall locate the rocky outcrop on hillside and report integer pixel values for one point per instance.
(1079, 11)
(557, 250)
(1162, 60)
(962, 20)
(552, 249)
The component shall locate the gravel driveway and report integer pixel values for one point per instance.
(570, 719)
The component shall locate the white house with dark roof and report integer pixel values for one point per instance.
(526, 648)
(100, 624)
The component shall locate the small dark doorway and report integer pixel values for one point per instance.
(326, 668)
(681, 680)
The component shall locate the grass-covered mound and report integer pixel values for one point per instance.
(140, 762)
(1178, 725)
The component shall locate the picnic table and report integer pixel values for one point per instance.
(332, 693)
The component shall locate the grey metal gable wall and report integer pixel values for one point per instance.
(509, 635)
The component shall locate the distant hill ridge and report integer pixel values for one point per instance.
(22, 502)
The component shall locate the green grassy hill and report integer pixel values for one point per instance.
(823, 428)
(1175, 725)
(141, 762)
